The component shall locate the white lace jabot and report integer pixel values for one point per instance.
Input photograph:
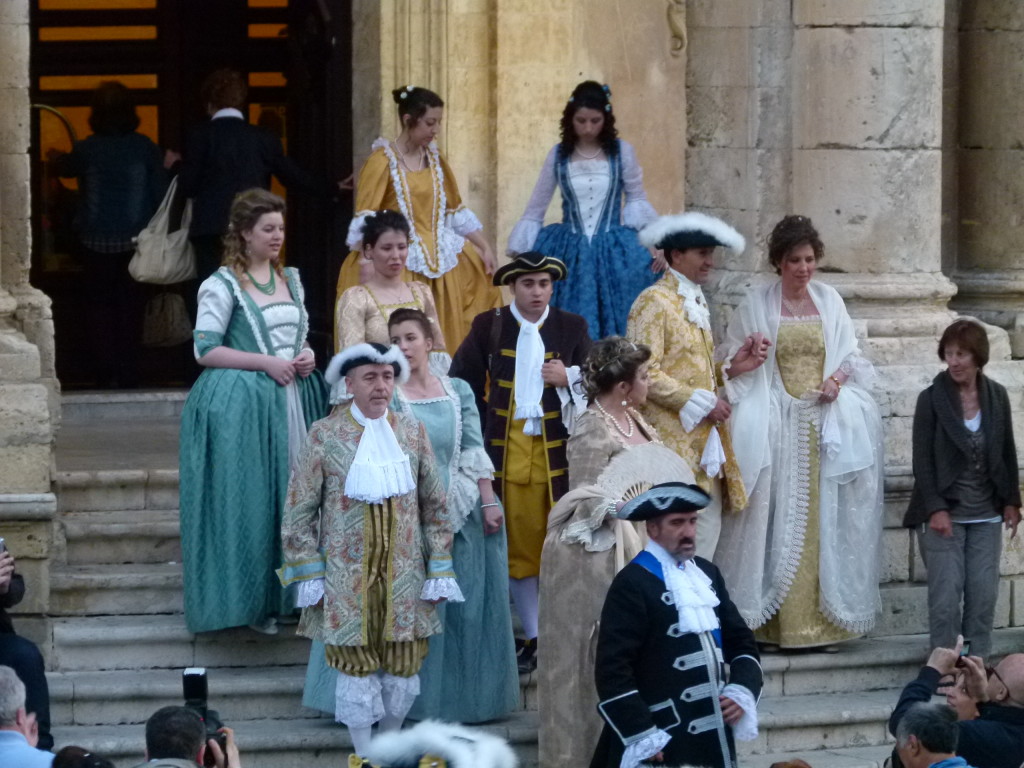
(694, 303)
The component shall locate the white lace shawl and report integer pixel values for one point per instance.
(774, 452)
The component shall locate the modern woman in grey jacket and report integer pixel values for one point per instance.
(965, 488)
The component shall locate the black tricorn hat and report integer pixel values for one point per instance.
(664, 499)
(527, 263)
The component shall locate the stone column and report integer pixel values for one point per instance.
(990, 220)
(28, 388)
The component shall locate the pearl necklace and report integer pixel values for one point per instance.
(615, 422)
(588, 157)
(797, 310)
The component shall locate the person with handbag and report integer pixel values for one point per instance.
(121, 180)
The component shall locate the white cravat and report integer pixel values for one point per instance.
(529, 384)
(694, 303)
(380, 469)
(694, 599)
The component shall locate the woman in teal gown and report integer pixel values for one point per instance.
(243, 423)
(470, 673)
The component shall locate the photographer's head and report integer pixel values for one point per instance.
(12, 700)
(177, 733)
(926, 734)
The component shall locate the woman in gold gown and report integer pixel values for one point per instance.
(409, 175)
(802, 560)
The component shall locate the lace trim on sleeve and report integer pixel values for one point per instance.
(700, 404)
(746, 728)
(309, 593)
(859, 370)
(445, 588)
(355, 230)
(638, 214)
(463, 221)
(645, 748)
(524, 235)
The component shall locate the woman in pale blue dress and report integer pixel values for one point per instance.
(243, 423)
(470, 672)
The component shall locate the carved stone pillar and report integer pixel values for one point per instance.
(990, 215)
(28, 387)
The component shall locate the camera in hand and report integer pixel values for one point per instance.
(196, 693)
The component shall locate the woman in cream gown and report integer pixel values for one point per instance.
(802, 560)
(409, 175)
(586, 545)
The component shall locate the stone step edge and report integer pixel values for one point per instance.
(309, 734)
(833, 757)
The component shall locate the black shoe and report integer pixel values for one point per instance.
(526, 655)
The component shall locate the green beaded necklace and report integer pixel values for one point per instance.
(268, 287)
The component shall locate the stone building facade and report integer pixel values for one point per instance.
(894, 124)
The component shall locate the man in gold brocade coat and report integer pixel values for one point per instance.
(684, 402)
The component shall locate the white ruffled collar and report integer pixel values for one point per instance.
(380, 469)
(694, 303)
(691, 590)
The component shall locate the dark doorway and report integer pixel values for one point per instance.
(297, 57)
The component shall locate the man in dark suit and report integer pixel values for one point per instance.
(668, 630)
(520, 361)
(21, 654)
(227, 155)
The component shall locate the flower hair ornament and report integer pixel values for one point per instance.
(405, 94)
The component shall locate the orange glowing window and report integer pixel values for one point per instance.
(268, 30)
(95, 5)
(88, 82)
(267, 80)
(55, 34)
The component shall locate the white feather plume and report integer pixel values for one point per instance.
(460, 747)
(393, 356)
(692, 221)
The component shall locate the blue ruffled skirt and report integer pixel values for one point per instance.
(605, 274)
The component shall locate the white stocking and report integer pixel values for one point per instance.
(360, 738)
(525, 594)
(399, 694)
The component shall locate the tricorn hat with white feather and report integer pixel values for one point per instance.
(367, 353)
(691, 230)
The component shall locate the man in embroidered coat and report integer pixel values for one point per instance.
(521, 361)
(668, 628)
(684, 402)
(367, 537)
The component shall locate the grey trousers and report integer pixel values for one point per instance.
(964, 566)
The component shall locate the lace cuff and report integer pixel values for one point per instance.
(699, 405)
(572, 398)
(746, 728)
(645, 748)
(713, 457)
(463, 221)
(637, 214)
(355, 230)
(309, 593)
(442, 589)
(524, 235)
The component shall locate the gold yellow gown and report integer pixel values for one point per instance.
(800, 356)
(430, 200)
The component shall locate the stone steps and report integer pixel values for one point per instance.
(101, 589)
(311, 743)
(90, 407)
(129, 536)
(163, 642)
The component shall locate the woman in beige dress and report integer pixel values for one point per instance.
(586, 545)
(363, 310)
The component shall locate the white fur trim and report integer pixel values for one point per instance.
(392, 356)
(461, 747)
(692, 221)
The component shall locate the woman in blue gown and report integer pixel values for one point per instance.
(597, 237)
(244, 422)
(470, 672)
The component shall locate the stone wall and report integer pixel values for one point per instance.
(28, 386)
(505, 69)
(841, 111)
